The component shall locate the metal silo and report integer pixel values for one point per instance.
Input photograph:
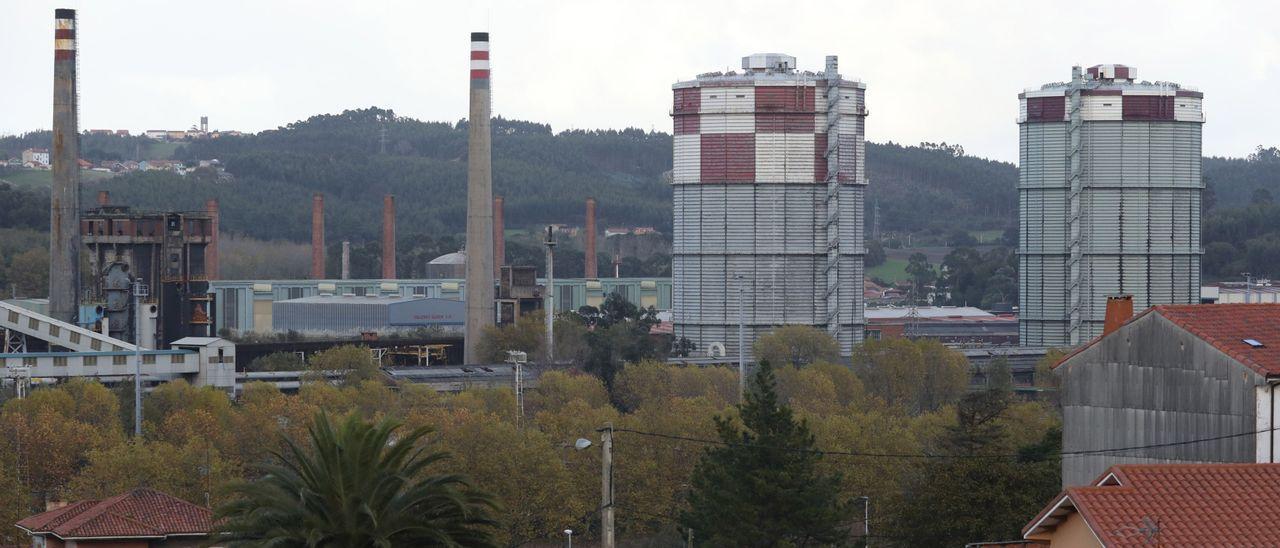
(768, 187)
(1109, 200)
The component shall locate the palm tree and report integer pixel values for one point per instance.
(359, 485)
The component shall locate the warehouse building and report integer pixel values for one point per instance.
(351, 314)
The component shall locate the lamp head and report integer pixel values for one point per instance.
(581, 444)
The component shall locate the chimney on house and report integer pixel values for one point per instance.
(1119, 310)
(389, 237)
(589, 254)
(317, 237)
(210, 250)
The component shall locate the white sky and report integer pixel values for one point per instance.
(935, 71)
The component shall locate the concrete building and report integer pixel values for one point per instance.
(36, 157)
(247, 305)
(768, 187)
(1109, 200)
(1172, 374)
(960, 326)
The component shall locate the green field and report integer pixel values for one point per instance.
(987, 236)
(160, 150)
(890, 271)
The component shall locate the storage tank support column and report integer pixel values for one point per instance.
(832, 269)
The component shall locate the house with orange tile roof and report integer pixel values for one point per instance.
(142, 518)
(1165, 505)
(1174, 384)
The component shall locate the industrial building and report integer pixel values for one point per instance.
(348, 313)
(248, 305)
(1109, 200)
(1171, 374)
(166, 251)
(957, 326)
(768, 187)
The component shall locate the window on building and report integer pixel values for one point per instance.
(148, 359)
(60, 361)
(91, 360)
(178, 358)
(420, 291)
(230, 308)
(295, 293)
(627, 292)
(359, 291)
(75, 337)
(120, 360)
(54, 330)
(565, 303)
(29, 361)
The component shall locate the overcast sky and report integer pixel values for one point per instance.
(935, 71)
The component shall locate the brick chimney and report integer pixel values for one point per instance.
(1119, 310)
(589, 254)
(210, 250)
(317, 237)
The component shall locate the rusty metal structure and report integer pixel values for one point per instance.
(317, 237)
(479, 264)
(389, 237)
(768, 182)
(64, 205)
(589, 248)
(167, 252)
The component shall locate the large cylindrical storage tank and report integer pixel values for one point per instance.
(1121, 216)
(761, 214)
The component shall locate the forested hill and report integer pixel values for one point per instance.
(357, 156)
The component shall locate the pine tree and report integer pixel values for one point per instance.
(762, 487)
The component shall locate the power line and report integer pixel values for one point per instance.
(862, 454)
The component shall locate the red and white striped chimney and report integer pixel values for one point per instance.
(589, 254)
(389, 237)
(499, 238)
(317, 237)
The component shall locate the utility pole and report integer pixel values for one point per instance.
(866, 520)
(742, 338)
(139, 291)
(550, 306)
(606, 486)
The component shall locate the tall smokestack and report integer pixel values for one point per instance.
(346, 260)
(590, 252)
(317, 237)
(64, 206)
(211, 250)
(389, 237)
(499, 237)
(104, 198)
(479, 202)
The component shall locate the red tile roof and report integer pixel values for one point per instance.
(1175, 505)
(138, 513)
(1224, 326)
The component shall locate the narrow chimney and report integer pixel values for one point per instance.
(589, 254)
(211, 249)
(617, 265)
(389, 237)
(479, 296)
(104, 198)
(346, 260)
(1119, 310)
(317, 237)
(499, 237)
(64, 204)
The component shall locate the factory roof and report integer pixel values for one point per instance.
(457, 257)
(356, 299)
(927, 312)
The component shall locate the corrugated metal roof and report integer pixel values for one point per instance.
(353, 299)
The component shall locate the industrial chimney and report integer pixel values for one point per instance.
(346, 260)
(499, 237)
(589, 254)
(64, 205)
(480, 309)
(388, 237)
(211, 250)
(317, 237)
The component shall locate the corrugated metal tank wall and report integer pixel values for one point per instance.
(1139, 203)
(750, 199)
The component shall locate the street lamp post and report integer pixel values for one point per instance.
(866, 520)
(569, 533)
(550, 294)
(606, 482)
